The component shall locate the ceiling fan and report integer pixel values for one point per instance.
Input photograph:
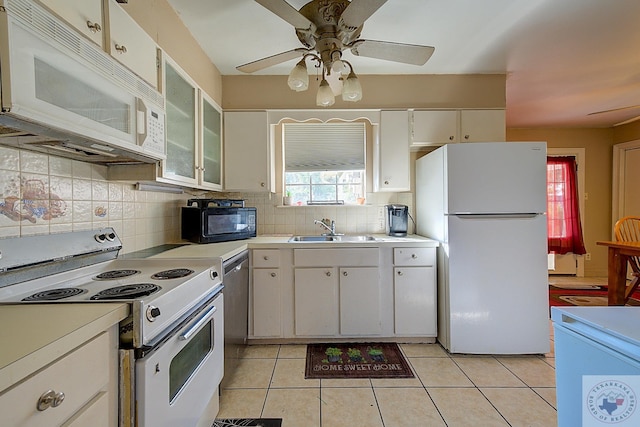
(326, 28)
(629, 107)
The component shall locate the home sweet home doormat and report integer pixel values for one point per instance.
(356, 360)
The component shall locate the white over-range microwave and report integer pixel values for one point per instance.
(61, 94)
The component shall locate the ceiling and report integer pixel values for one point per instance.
(564, 59)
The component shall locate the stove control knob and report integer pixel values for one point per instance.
(152, 313)
(110, 236)
(100, 238)
(213, 274)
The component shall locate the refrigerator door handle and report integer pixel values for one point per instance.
(496, 215)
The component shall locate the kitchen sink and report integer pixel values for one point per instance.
(343, 238)
(362, 238)
(312, 239)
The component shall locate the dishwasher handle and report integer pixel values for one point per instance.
(235, 263)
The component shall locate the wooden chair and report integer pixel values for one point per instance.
(627, 229)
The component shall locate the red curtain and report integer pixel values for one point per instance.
(563, 213)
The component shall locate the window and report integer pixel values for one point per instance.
(563, 213)
(324, 162)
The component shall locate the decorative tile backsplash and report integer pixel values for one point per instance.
(41, 194)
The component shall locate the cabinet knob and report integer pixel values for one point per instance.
(414, 256)
(121, 49)
(451, 138)
(386, 183)
(262, 184)
(466, 137)
(94, 27)
(328, 273)
(273, 274)
(399, 273)
(344, 273)
(50, 399)
(266, 258)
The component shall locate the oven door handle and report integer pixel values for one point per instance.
(196, 326)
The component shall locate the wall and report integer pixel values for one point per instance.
(162, 23)
(598, 180)
(626, 133)
(379, 91)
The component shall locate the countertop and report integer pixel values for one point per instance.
(227, 250)
(34, 335)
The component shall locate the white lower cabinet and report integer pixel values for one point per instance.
(316, 301)
(337, 292)
(360, 301)
(266, 296)
(266, 302)
(414, 290)
(79, 385)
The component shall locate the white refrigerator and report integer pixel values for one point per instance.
(486, 204)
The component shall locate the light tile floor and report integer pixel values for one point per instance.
(448, 390)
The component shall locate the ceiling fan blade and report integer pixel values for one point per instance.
(271, 60)
(358, 11)
(633, 119)
(397, 52)
(287, 12)
(629, 107)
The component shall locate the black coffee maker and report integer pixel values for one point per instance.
(397, 220)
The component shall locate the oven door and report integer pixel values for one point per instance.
(176, 381)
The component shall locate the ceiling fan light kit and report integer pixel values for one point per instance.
(325, 97)
(351, 88)
(299, 77)
(328, 27)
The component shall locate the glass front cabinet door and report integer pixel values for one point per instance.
(194, 142)
(181, 129)
(210, 167)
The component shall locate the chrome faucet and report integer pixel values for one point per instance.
(324, 222)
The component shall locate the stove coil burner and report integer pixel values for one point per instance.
(175, 273)
(127, 291)
(54, 294)
(116, 274)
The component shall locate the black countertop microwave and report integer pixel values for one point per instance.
(217, 220)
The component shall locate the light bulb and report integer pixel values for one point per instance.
(337, 66)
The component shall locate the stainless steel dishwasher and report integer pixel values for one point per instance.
(236, 311)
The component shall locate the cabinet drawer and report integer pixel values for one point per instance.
(266, 258)
(414, 256)
(335, 257)
(92, 414)
(80, 375)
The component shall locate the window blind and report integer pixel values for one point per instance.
(324, 146)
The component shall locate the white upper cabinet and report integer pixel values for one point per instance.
(435, 127)
(248, 152)
(482, 126)
(108, 25)
(181, 125)
(131, 45)
(210, 160)
(439, 127)
(391, 154)
(84, 15)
